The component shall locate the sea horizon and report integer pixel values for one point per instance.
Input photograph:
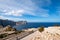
(36, 25)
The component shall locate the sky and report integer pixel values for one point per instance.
(30, 10)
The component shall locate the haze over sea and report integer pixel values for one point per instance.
(36, 25)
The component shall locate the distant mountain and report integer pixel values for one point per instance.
(11, 23)
(7, 22)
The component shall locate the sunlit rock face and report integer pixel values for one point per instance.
(51, 33)
(21, 22)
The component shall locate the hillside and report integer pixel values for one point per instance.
(7, 22)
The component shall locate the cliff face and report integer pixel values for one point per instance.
(21, 22)
(7, 22)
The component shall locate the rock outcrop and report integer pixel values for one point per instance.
(50, 33)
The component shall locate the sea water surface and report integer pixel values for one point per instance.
(36, 25)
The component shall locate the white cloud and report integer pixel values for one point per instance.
(10, 18)
(15, 12)
(44, 13)
(58, 10)
(28, 7)
(1, 17)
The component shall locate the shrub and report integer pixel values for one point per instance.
(41, 29)
(16, 32)
(2, 35)
(9, 28)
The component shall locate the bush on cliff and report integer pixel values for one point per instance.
(41, 29)
(9, 28)
(3, 35)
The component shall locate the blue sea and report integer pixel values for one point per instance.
(36, 25)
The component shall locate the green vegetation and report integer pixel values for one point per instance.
(17, 32)
(3, 35)
(9, 28)
(57, 34)
(41, 29)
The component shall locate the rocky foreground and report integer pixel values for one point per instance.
(50, 33)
